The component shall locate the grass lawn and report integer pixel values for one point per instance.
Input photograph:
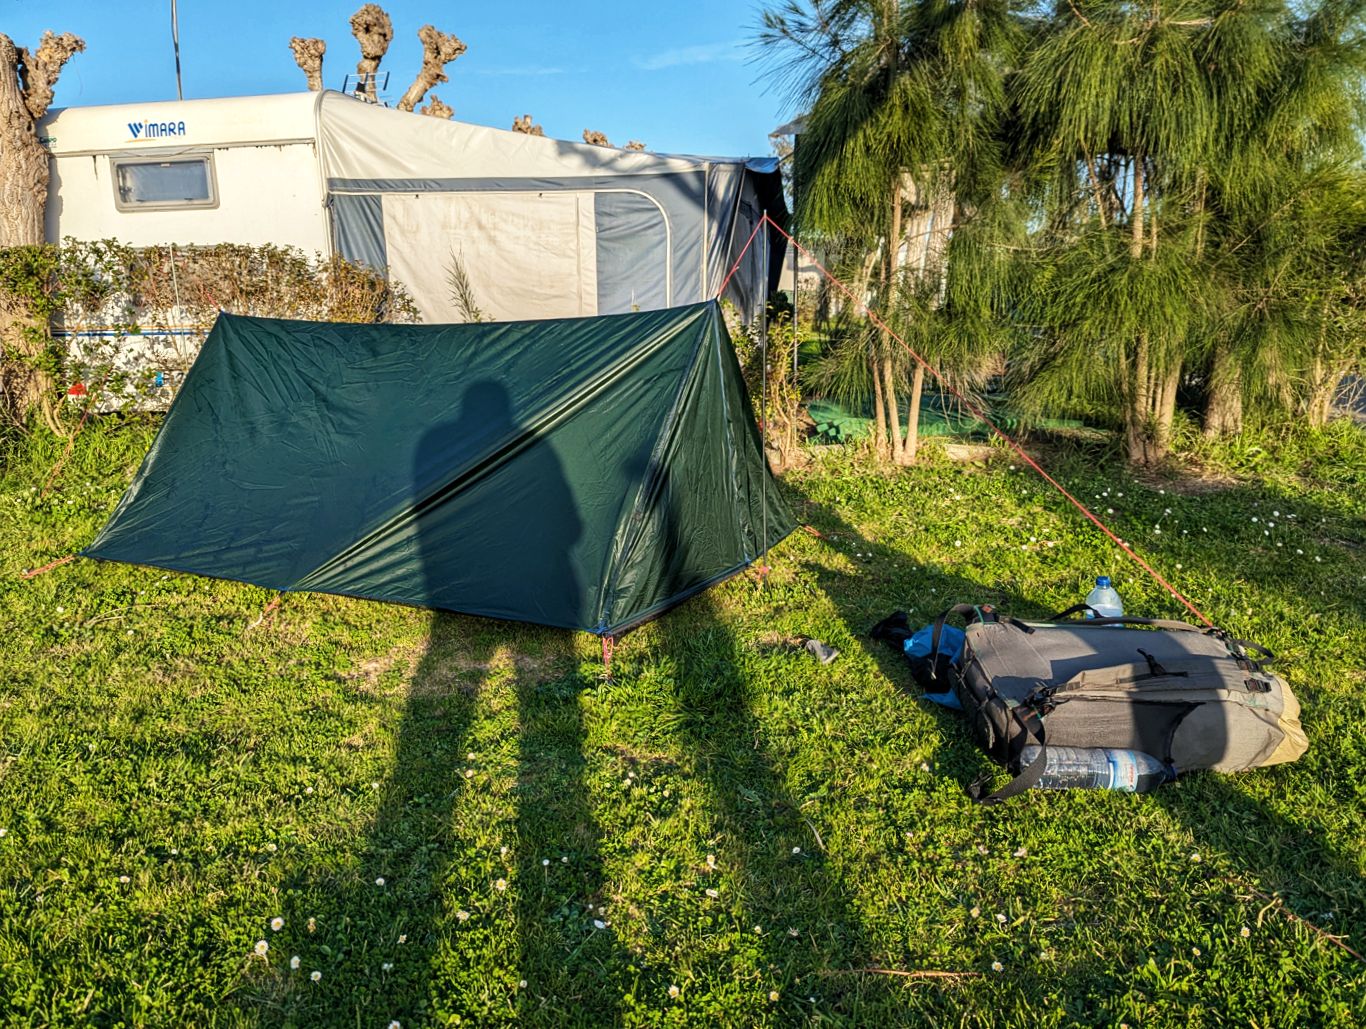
(459, 822)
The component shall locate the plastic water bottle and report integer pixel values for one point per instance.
(1104, 599)
(1099, 768)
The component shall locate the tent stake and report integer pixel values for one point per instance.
(609, 645)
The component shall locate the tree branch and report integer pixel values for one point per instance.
(374, 32)
(308, 55)
(437, 108)
(438, 50)
(38, 72)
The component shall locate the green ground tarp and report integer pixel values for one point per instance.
(585, 473)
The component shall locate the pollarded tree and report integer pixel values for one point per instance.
(26, 84)
(901, 149)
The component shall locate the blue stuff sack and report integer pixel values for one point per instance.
(932, 674)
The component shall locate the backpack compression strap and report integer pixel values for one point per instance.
(1031, 728)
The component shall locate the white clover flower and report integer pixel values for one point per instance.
(379, 881)
(545, 862)
(403, 938)
(503, 851)
(982, 849)
(924, 766)
(713, 894)
(374, 785)
(462, 916)
(272, 847)
(5, 832)
(277, 923)
(674, 991)
(261, 947)
(174, 851)
(975, 912)
(758, 930)
(294, 962)
(316, 976)
(308, 789)
(500, 884)
(469, 756)
(996, 966)
(124, 879)
(522, 985)
(1001, 918)
(598, 923)
(793, 933)
(796, 850)
(564, 860)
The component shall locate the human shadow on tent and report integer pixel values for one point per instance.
(512, 548)
(437, 840)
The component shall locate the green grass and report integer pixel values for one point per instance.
(170, 781)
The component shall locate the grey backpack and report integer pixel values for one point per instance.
(1193, 698)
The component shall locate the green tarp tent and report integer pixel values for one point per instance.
(586, 473)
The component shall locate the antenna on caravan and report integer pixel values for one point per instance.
(175, 43)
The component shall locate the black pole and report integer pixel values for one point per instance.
(763, 355)
(175, 43)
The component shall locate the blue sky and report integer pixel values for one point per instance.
(679, 77)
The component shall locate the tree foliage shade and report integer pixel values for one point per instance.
(1138, 196)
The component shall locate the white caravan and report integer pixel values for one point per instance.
(542, 228)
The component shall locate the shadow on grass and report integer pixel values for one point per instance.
(793, 909)
(1296, 860)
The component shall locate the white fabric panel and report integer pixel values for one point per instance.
(526, 255)
(362, 141)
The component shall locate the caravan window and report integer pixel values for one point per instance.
(157, 183)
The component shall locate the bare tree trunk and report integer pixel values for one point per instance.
(1095, 189)
(1325, 379)
(893, 411)
(891, 269)
(1165, 412)
(912, 446)
(1138, 427)
(26, 83)
(1224, 405)
(374, 32)
(438, 50)
(26, 87)
(879, 412)
(308, 55)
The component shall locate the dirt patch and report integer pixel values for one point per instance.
(367, 675)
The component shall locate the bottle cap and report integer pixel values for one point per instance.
(1102, 581)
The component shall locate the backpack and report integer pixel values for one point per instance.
(1190, 697)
